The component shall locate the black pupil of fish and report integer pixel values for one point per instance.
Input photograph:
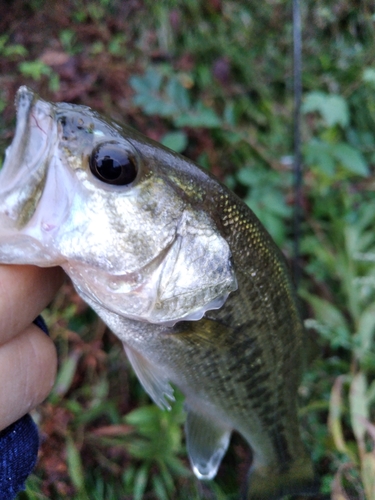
(113, 165)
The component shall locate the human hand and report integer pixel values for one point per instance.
(27, 368)
(27, 355)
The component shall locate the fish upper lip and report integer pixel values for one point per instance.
(25, 166)
(24, 99)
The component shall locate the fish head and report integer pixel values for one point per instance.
(112, 209)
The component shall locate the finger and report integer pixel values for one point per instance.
(24, 292)
(28, 365)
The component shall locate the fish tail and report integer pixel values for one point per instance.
(266, 483)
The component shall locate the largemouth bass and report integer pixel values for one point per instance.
(178, 267)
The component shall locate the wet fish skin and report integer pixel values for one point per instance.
(232, 341)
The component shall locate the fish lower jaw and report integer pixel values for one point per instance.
(19, 248)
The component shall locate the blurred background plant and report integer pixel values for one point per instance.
(213, 80)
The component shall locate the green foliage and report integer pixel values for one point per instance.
(156, 441)
(36, 70)
(167, 97)
(343, 253)
(326, 153)
(344, 250)
(334, 161)
(11, 51)
(175, 140)
(68, 39)
(333, 108)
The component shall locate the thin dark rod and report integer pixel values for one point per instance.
(297, 163)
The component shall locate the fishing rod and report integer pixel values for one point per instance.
(297, 157)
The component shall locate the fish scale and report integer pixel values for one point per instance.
(178, 267)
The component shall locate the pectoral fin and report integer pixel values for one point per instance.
(155, 384)
(207, 442)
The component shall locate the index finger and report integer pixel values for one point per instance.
(24, 292)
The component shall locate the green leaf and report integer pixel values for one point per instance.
(275, 203)
(335, 414)
(66, 374)
(369, 76)
(146, 419)
(368, 474)
(140, 482)
(318, 153)
(167, 477)
(11, 50)
(350, 158)
(359, 410)
(177, 94)
(332, 107)
(201, 116)
(159, 488)
(248, 176)
(334, 325)
(314, 101)
(15, 50)
(151, 80)
(75, 467)
(336, 111)
(366, 330)
(34, 69)
(176, 141)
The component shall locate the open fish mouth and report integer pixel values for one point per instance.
(22, 181)
(26, 160)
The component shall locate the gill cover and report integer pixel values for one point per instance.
(192, 275)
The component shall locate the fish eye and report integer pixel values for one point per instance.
(112, 163)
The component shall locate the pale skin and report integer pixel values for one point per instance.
(27, 355)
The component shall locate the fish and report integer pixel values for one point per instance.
(178, 267)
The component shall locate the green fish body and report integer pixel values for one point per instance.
(178, 267)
